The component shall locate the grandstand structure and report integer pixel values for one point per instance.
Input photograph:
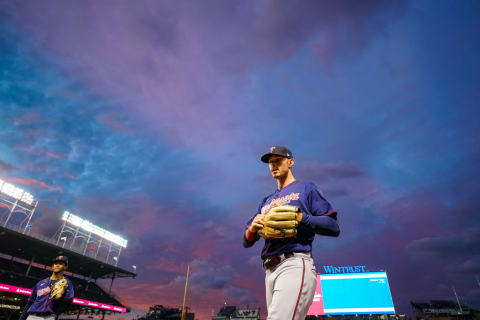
(159, 312)
(234, 313)
(443, 309)
(26, 258)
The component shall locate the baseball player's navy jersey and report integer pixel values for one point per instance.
(40, 297)
(318, 218)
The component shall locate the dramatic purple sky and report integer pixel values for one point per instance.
(149, 117)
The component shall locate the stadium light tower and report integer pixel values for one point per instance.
(16, 200)
(83, 234)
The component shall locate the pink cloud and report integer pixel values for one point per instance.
(33, 183)
(39, 151)
(56, 155)
(68, 175)
(112, 122)
(161, 61)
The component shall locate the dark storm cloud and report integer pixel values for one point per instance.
(244, 295)
(206, 275)
(465, 242)
(469, 266)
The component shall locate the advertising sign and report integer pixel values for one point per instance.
(352, 293)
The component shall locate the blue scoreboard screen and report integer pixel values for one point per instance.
(352, 293)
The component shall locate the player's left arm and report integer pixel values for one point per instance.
(68, 295)
(323, 219)
(65, 301)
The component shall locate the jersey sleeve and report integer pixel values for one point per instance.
(33, 295)
(323, 218)
(69, 292)
(319, 205)
(61, 305)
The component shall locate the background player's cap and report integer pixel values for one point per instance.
(63, 259)
(277, 151)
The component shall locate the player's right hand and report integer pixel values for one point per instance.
(257, 223)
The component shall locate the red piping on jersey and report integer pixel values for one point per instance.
(324, 214)
(301, 288)
(266, 249)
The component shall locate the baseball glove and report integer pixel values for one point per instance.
(281, 222)
(58, 289)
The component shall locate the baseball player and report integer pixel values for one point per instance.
(288, 219)
(50, 295)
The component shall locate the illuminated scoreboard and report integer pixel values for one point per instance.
(352, 293)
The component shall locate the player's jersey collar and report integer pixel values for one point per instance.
(287, 186)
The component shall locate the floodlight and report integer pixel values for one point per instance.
(16, 193)
(90, 227)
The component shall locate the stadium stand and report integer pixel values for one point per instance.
(442, 309)
(225, 313)
(159, 312)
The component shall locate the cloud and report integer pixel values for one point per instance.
(171, 52)
(111, 121)
(28, 118)
(321, 172)
(334, 177)
(471, 299)
(40, 151)
(6, 167)
(34, 183)
(207, 276)
(465, 243)
(470, 266)
(244, 295)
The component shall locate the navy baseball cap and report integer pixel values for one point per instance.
(277, 151)
(63, 259)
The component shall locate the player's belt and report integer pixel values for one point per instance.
(42, 314)
(273, 261)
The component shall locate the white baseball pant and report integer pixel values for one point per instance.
(290, 287)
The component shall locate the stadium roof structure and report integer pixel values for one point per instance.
(27, 247)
